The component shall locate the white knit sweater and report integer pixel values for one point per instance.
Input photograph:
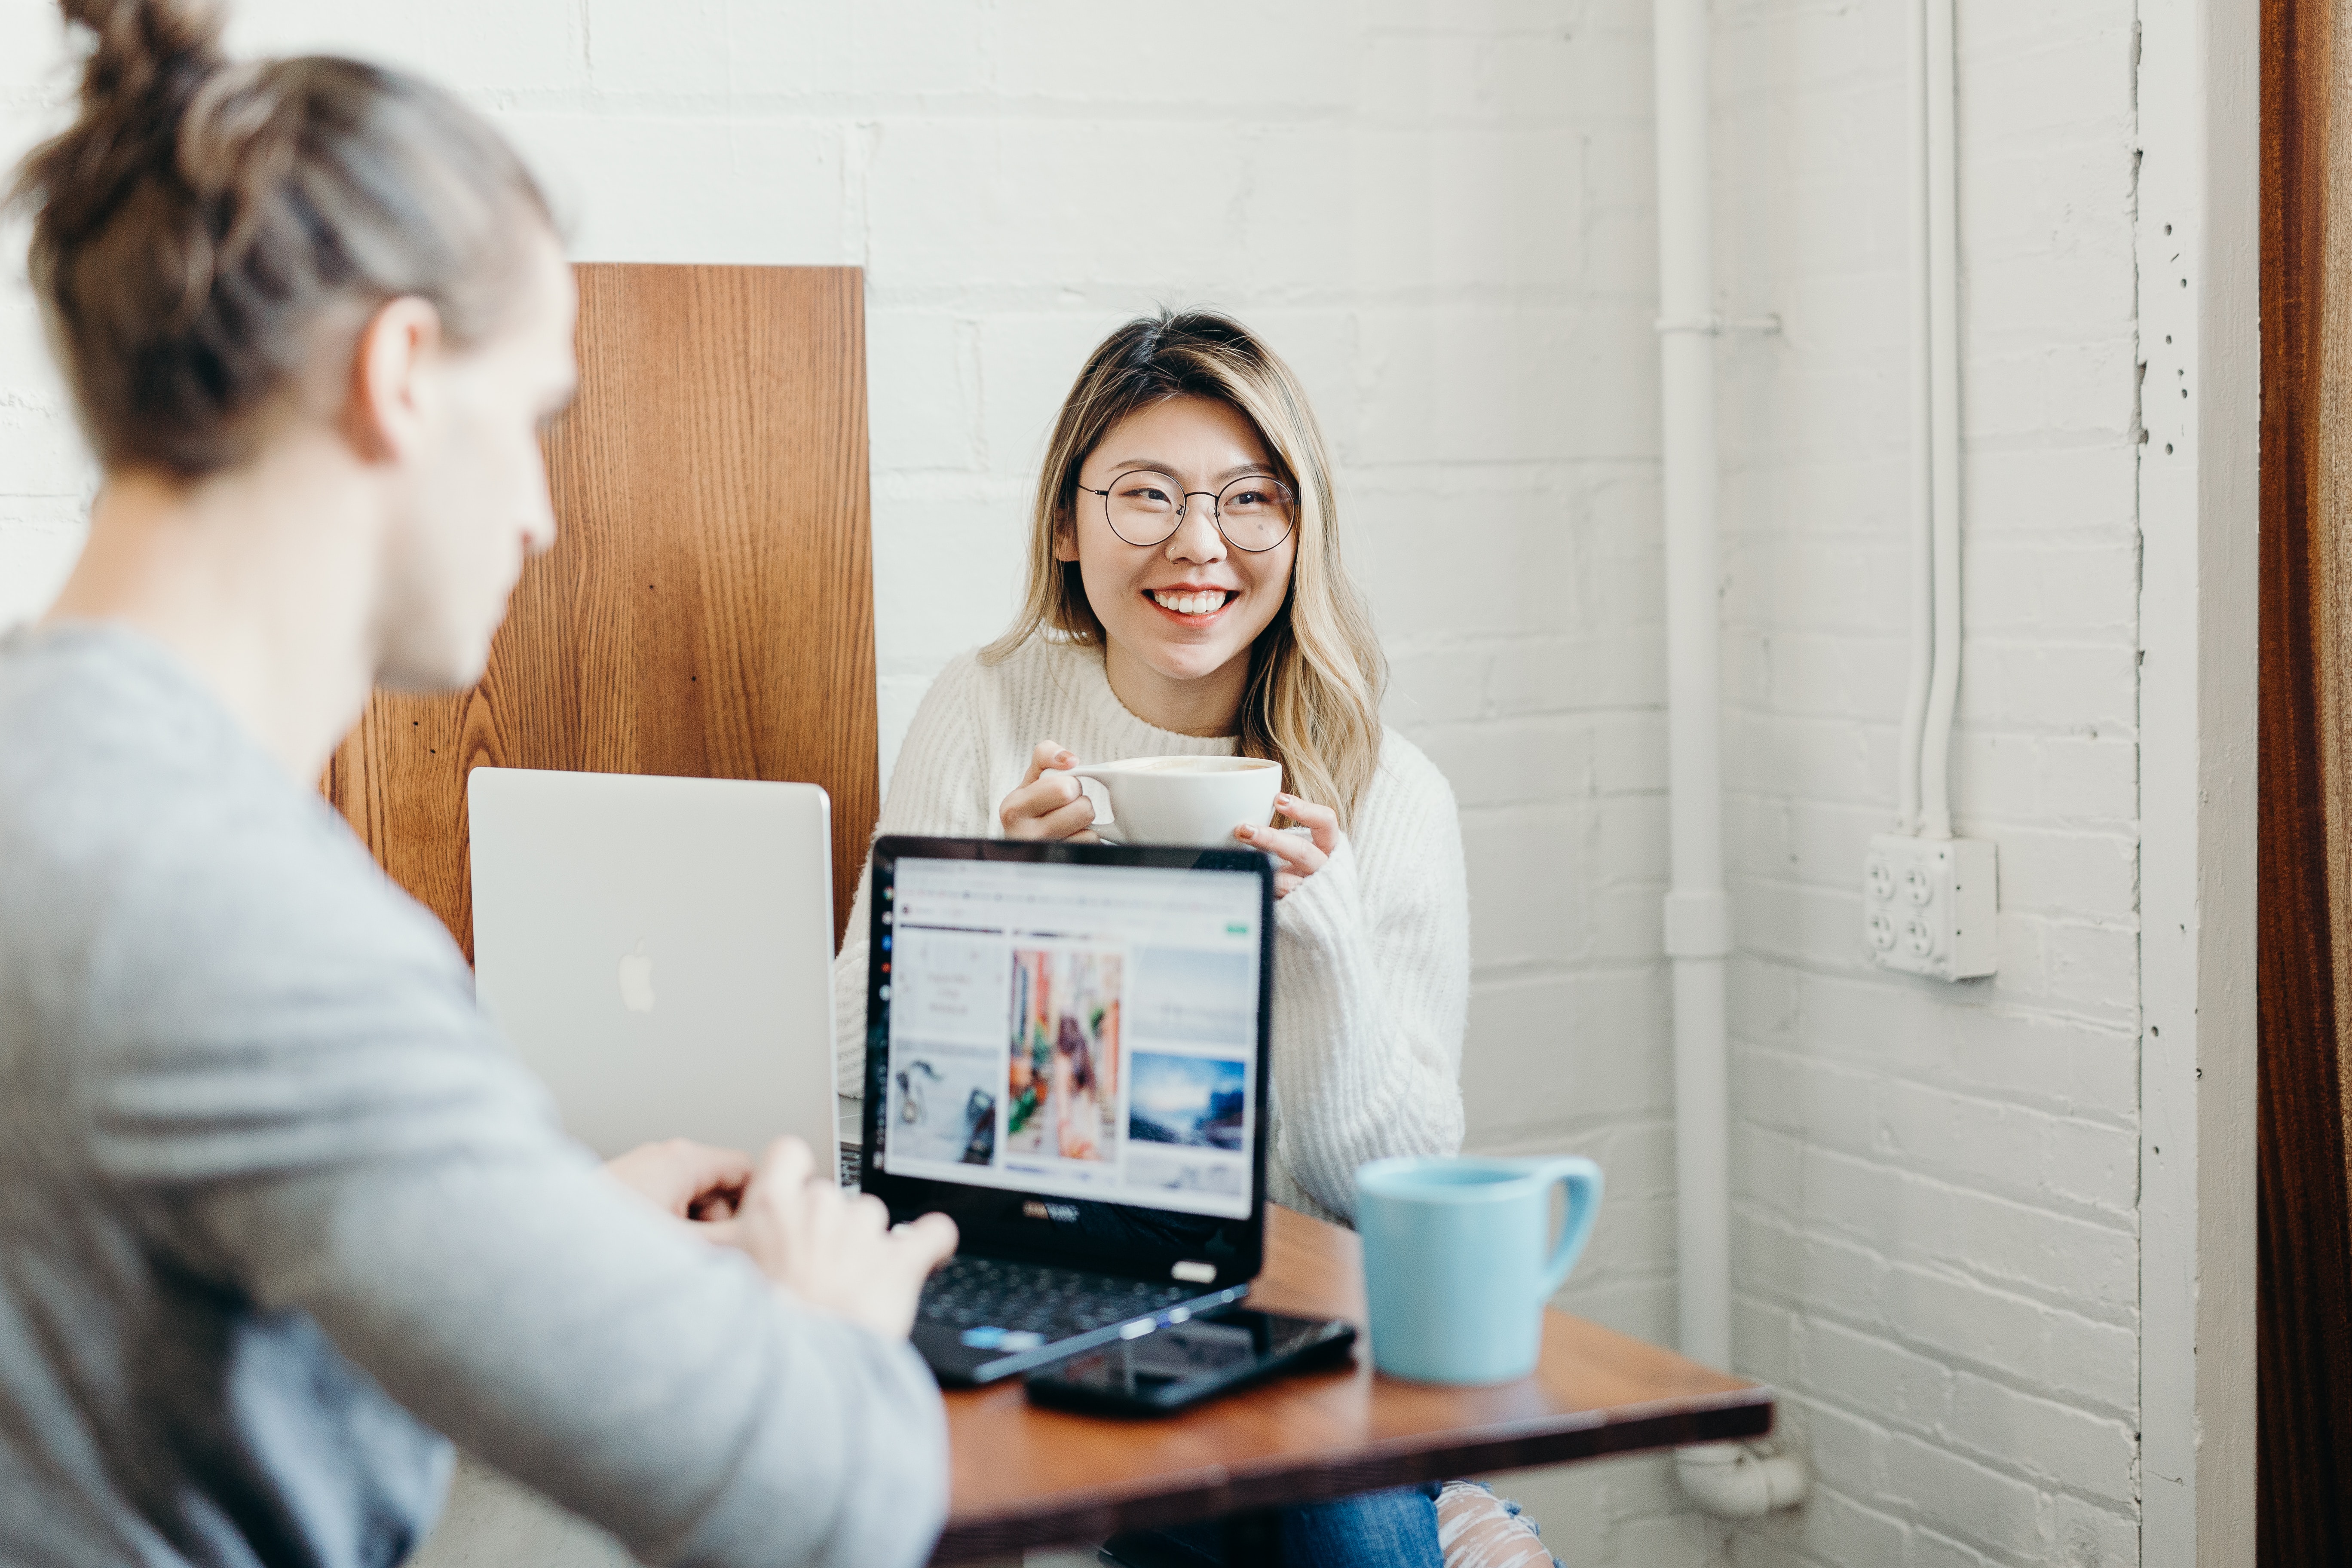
(1371, 970)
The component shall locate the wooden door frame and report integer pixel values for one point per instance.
(2304, 1494)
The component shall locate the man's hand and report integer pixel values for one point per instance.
(690, 1180)
(836, 1253)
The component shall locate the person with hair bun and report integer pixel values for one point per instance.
(278, 1209)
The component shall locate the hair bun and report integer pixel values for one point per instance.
(202, 217)
(145, 48)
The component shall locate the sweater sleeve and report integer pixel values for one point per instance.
(285, 1084)
(1373, 965)
(938, 786)
(520, 1302)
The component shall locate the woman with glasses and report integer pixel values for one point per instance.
(1186, 598)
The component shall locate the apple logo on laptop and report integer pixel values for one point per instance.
(637, 981)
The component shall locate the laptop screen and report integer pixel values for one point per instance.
(1072, 1029)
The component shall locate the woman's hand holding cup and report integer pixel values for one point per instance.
(1048, 804)
(1297, 856)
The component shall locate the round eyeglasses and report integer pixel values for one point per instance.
(1143, 506)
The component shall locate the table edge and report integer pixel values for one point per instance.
(1410, 1460)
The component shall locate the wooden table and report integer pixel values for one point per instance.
(1025, 1476)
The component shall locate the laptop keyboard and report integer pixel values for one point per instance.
(976, 1292)
(969, 1292)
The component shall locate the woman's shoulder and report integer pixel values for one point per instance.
(1050, 688)
(960, 748)
(1005, 703)
(1408, 799)
(1039, 664)
(1406, 777)
(1047, 656)
(972, 681)
(958, 674)
(951, 702)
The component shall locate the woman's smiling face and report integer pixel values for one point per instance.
(1188, 608)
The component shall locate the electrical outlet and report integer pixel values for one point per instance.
(1928, 905)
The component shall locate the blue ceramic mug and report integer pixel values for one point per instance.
(1459, 1261)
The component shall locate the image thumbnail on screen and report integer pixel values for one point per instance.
(1197, 1101)
(1062, 1078)
(946, 1105)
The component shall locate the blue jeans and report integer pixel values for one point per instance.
(1375, 1530)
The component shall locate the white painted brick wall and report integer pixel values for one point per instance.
(1936, 1244)
(1441, 214)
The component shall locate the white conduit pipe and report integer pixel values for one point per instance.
(1939, 267)
(1923, 489)
(1729, 1479)
(1697, 924)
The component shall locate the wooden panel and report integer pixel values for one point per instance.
(1025, 1476)
(708, 609)
(2304, 1346)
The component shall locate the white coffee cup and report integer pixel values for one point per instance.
(1185, 800)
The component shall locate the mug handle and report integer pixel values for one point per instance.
(1094, 771)
(1579, 1178)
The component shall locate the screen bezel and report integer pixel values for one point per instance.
(991, 1220)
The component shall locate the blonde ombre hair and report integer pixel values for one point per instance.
(1313, 702)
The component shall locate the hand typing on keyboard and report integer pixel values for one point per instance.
(693, 1181)
(835, 1251)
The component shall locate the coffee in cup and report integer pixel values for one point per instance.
(1196, 801)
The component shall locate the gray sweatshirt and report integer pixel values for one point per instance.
(278, 1208)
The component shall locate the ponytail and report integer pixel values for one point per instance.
(202, 224)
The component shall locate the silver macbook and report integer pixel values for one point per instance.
(659, 951)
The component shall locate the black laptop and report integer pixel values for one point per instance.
(1066, 1052)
